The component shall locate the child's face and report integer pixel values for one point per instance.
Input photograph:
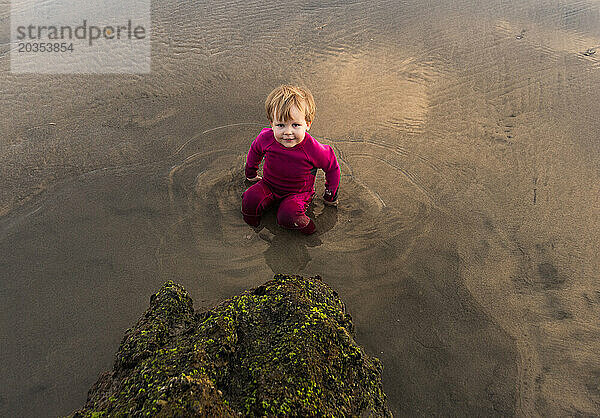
(291, 132)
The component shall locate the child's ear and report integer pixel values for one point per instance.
(308, 125)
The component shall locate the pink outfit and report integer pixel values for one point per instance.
(288, 177)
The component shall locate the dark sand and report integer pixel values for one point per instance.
(465, 243)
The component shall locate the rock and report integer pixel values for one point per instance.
(284, 348)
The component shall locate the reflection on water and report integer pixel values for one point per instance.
(464, 242)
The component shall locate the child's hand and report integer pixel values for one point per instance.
(329, 198)
(255, 179)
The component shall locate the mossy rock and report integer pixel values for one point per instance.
(284, 348)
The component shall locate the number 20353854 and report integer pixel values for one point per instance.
(45, 47)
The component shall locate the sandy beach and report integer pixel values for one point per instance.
(465, 244)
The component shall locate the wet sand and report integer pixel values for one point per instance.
(465, 243)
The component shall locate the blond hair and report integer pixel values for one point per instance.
(283, 98)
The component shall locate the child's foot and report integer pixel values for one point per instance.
(309, 228)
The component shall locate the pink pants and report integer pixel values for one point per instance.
(291, 212)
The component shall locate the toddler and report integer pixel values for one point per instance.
(292, 158)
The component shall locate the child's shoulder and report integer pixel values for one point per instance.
(312, 142)
(265, 136)
(266, 130)
(266, 133)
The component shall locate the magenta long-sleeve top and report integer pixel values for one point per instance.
(292, 170)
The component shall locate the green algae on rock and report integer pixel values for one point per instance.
(284, 348)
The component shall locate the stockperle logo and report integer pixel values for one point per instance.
(84, 36)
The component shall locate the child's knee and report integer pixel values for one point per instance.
(251, 210)
(251, 202)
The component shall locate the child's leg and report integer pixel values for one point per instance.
(254, 201)
(291, 213)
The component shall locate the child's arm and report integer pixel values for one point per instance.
(328, 163)
(255, 156)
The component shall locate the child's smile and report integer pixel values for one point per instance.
(291, 132)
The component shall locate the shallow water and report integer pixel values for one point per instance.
(465, 243)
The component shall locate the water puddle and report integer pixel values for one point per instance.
(463, 244)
